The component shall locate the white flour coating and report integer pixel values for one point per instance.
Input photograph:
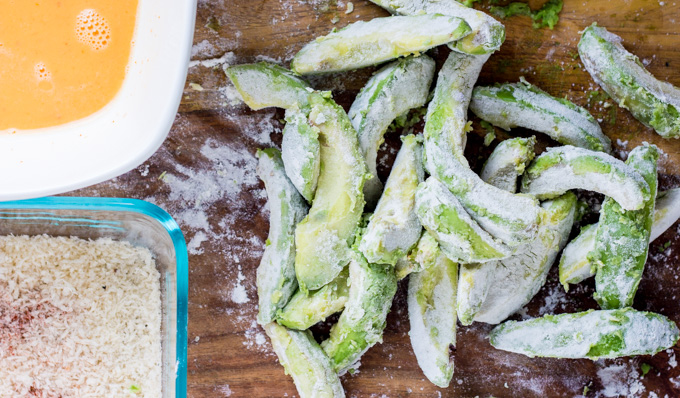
(194, 245)
(481, 24)
(556, 299)
(588, 335)
(224, 390)
(507, 162)
(300, 151)
(239, 295)
(461, 244)
(473, 286)
(381, 39)
(225, 60)
(485, 203)
(520, 277)
(574, 264)
(232, 170)
(672, 361)
(432, 317)
(597, 63)
(204, 48)
(394, 227)
(620, 379)
(620, 181)
(539, 112)
(403, 85)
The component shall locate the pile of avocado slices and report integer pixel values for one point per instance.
(476, 247)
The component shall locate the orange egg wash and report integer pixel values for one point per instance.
(61, 60)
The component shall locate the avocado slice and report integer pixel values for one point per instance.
(264, 85)
(459, 236)
(575, 265)
(560, 169)
(511, 218)
(521, 104)
(306, 310)
(361, 324)
(622, 238)
(394, 90)
(432, 317)
(590, 334)
(393, 229)
(507, 163)
(301, 153)
(420, 258)
(276, 281)
(305, 362)
(322, 238)
(367, 43)
(518, 278)
(653, 102)
(486, 36)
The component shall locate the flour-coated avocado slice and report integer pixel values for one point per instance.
(394, 90)
(575, 266)
(301, 153)
(653, 102)
(276, 281)
(367, 43)
(305, 362)
(507, 163)
(563, 168)
(511, 218)
(394, 229)
(420, 258)
(264, 85)
(591, 334)
(322, 239)
(432, 317)
(306, 310)
(459, 236)
(518, 278)
(487, 34)
(521, 104)
(622, 238)
(361, 324)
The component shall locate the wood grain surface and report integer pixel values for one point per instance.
(204, 176)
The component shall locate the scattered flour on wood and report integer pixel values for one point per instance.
(224, 390)
(239, 295)
(672, 361)
(204, 48)
(194, 245)
(620, 378)
(555, 299)
(226, 59)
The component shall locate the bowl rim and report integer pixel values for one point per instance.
(166, 118)
(179, 243)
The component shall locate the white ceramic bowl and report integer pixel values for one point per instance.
(123, 134)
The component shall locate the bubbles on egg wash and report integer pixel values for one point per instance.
(93, 30)
(41, 72)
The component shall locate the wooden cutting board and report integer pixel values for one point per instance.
(204, 175)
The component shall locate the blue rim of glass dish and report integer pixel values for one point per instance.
(170, 225)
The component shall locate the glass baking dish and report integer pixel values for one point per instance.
(138, 222)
